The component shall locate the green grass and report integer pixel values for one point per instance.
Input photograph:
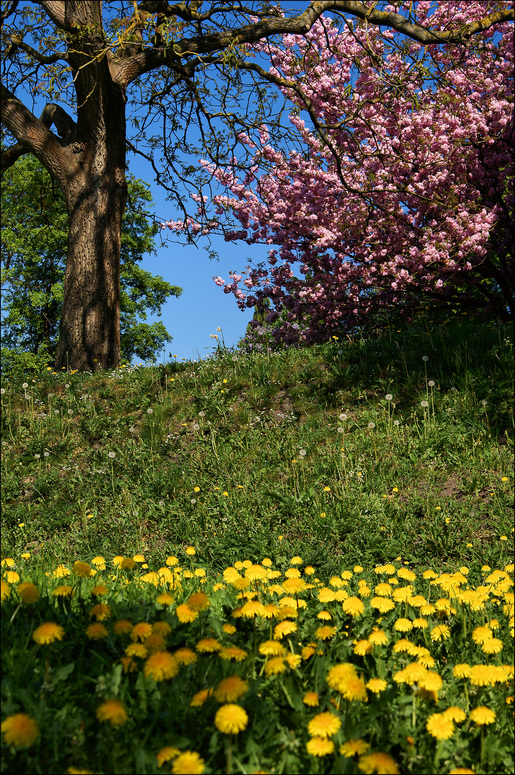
(234, 427)
(295, 460)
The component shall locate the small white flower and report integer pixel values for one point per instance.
(388, 396)
(343, 417)
(431, 383)
(339, 430)
(371, 425)
(425, 358)
(193, 501)
(111, 455)
(424, 404)
(46, 454)
(302, 452)
(396, 422)
(150, 411)
(67, 386)
(37, 456)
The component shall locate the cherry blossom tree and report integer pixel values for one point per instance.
(400, 194)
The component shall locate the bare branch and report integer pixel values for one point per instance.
(41, 58)
(11, 155)
(5, 14)
(34, 135)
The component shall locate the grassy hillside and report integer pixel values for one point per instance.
(236, 565)
(250, 455)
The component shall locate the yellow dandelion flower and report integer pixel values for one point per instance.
(311, 699)
(141, 631)
(420, 623)
(122, 627)
(308, 651)
(405, 573)
(155, 642)
(98, 562)
(326, 595)
(185, 656)
(353, 606)
(185, 614)
(293, 660)
(272, 648)
(417, 601)
(166, 754)
(172, 561)
(275, 665)
(233, 652)
(128, 563)
(324, 615)
(376, 685)
(294, 585)
(354, 747)
(63, 590)
(112, 710)
(12, 577)
(382, 604)
(255, 573)
(198, 601)
(378, 762)
(412, 673)
(230, 629)
(99, 590)
(20, 730)
(388, 569)
(339, 674)
(431, 681)
(309, 570)
(354, 690)
(82, 569)
(208, 645)
(363, 647)
(325, 632)
(483, 675)
(378, 638)
(28, 592)
(8, 562)
(231, 719)
(48, 632)
(101, 612)
(5, 590)
(161, 666)
(461, 671)
(96, 631)
(455, 713)
(324, 724)
(319, 746)
(191, 551)
(231, 689)
(165, 598)
(136, 650)
(461, 771)
(284, 628)
(492, 646)
(383, 589)
(440, 632)
(252, 608)
(403, 625)
(200, 697)
(441, 726)
(402, 594)
(482, 715)
(188, 763)
(128, 664)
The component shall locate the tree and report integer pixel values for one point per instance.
(401, 196)
(168, 63)
(33, 252)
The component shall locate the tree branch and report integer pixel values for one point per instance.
(56, 10)
(34, 135)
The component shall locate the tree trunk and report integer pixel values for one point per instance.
(89, 337)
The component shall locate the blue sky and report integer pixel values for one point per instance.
(203, 306)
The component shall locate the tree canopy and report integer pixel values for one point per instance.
(164, 80)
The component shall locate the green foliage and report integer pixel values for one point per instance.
(247, 457)
(34, 231)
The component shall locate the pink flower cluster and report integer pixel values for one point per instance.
(406, 196)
